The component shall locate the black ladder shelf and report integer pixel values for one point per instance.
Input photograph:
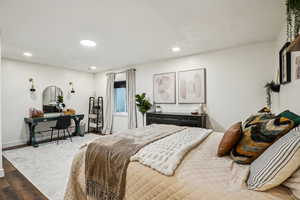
(95, 118)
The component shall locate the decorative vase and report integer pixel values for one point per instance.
(201, 108)
(158, 109)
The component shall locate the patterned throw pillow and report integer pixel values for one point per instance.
(259, 132)
(261, 116)
(257, 119)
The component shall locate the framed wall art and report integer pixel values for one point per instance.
(192, 86)
(164, 88)
(295, 65)
(285, 64)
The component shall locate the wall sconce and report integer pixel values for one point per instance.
(72, 87)
(32, 89)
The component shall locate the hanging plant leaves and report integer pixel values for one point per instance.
(293, 18)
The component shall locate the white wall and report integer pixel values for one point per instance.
(289, 95)
(235, 82)
(17, 98)
(1, 166)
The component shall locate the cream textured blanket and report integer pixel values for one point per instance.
(166, 154)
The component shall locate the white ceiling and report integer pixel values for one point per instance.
(131, 31)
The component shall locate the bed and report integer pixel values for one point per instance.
(201, 175)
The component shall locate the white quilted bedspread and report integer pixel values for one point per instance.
(166, 154)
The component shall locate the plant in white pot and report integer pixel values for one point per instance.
(271, 87)
(143, 104)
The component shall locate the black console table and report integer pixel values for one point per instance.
(33, 122)
(179, 119)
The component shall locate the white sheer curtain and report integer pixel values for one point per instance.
(109, 104)
(131, 106)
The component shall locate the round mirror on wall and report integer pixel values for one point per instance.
(52, 99)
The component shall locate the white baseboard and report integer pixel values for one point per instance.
(12, 144)
(23, 141)
(1, 172)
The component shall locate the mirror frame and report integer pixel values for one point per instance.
(49, 108)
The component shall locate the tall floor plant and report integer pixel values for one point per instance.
(143, 104)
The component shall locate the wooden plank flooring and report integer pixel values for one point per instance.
(14, 186)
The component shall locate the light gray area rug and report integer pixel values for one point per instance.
(48, 166)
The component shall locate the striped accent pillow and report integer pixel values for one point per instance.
(276, 164)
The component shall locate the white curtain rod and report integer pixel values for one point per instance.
(120, 72)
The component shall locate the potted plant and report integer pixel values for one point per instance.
(158, 109)
(271, 87)
(60, 103)
(274, 87)
(143, 104)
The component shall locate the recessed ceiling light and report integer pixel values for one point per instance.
(88, 43)
(92, 67)
(28, 54)
(176, 49)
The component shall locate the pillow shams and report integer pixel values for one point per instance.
(276, 164)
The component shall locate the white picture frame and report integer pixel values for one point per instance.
(164, 88)
(192, 86)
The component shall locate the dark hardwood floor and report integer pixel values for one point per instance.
(14, 186)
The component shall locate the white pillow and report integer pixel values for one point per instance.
(276, 164)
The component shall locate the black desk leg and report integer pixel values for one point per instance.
(77, 127)
(32, 140)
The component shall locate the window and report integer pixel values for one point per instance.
(120, 97)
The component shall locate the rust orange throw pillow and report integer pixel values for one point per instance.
(230, 139)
